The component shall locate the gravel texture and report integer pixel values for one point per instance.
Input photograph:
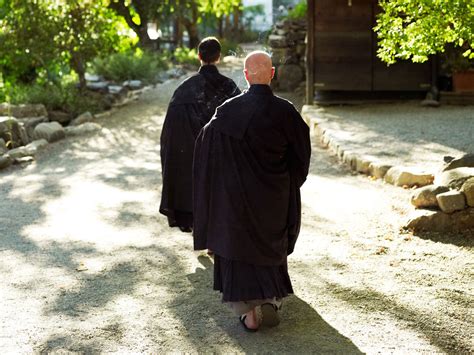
(88, 265)
(403, 134)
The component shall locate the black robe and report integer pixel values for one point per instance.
(191, 107)
(250, 161)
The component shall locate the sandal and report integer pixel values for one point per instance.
(247, 329)
(270, 317)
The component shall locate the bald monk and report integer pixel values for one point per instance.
(250, 161)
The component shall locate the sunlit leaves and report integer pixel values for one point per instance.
(416, 29)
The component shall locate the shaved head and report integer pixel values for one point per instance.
(258, 68)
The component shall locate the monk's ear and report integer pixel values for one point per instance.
(199, 56)
(273, 72)
(246, 74)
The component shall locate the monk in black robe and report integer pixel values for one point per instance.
(191, 107)
(250, 161)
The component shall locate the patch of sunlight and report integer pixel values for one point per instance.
(338, 200)
(77, 216)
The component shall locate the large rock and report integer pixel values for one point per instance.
(59, 116)
(30, 123)
(3, 146)
(454, 178)
(100, 86)
(378, 170)
(51, 131)
(466, 161)
(133, 84)
(82, 118)
(451, 201)
(289, 76)
(279, 56)
(21, 111)
(276, 41)
(27, 151)
(13, 131)
(84, 128)
(425, 197)
(437, 221)
(5, 161)
(468, 190)
(402, 176)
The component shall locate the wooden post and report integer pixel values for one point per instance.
(310, 53)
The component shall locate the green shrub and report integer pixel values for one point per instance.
(130, 65)
(229, 47)
(186, 56)
(67, 98)
(299, 11)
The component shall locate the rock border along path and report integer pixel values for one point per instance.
(455, 214)
(363, 163)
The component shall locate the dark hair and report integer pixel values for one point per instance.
(209, 49)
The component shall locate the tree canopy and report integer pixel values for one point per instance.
(416, 29)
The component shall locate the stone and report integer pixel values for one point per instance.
(281, 32)
(454, 178)
(117, 90)
(451, 201)
(36, 146)
(466, 161)
(289, 76)
(18, 153)
(437, 221)
(403, 176)
(100, 86)
(133, 84)
(51, 131)
(378, 170)
(82, 118)
(30, 123)
(13, 132)
(92, 77)
(430, 103)
(5, 161)
(425, 197)
(279, 56)
(22, 111)
(276, 41)
(84, 128)
(363, 165)
(59, 116)
(468, 190)
(3, 146)
(26, 159)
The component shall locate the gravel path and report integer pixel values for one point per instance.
(88, 265)
(403, 133)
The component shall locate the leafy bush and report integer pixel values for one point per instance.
(66, 97)
(129, 65)
(299, 11)
(186, 56)
(229, 47)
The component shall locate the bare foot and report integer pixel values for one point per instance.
(251, 320)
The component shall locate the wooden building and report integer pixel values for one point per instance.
(342, 52)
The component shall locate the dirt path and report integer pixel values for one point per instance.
(88, 265)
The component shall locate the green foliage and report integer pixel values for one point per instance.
(129, 65)
(39, 35)
(186, 56)
(218, 8)
(299, 11)
(229, 47)
(416, 29)
(66, 97)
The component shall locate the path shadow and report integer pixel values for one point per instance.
(441, 334)
(462, 239)
(207, 320)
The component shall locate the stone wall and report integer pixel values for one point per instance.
(287, 43)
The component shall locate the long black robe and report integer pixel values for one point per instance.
(250, 161)
(191, 107)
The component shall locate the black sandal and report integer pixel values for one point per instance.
(247, 329)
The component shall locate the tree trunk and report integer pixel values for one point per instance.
(178, 32)
(220, 27)
(191, 27)
(78, 65)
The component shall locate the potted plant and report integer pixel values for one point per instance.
(460, 68)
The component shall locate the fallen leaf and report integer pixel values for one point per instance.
(81, 267)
